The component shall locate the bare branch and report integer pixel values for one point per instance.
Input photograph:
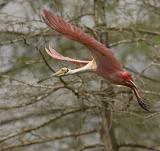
(139, 146)
(49, 139)
(65, 113)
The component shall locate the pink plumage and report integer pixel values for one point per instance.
(58, 24)
(53, 53)
(107, 65)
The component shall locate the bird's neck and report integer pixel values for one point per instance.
(91, 66)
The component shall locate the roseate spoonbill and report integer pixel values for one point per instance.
(104, 63)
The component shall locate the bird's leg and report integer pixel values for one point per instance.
(140, 100)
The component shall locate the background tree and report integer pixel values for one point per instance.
(80, 112)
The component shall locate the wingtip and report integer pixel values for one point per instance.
(45, 13)
(51, 50)
(53, 53)
(47, 50)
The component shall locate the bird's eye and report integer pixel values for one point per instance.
(65, 70)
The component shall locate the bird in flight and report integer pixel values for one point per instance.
(104, 63)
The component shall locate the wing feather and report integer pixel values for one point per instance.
(72, 32)
(53, 53)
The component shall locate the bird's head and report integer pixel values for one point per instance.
(62, 72)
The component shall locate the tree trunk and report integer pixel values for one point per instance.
(107, 131)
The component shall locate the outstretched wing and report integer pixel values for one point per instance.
(72, 32)
(53, 53)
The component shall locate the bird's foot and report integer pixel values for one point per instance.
(144, 105)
